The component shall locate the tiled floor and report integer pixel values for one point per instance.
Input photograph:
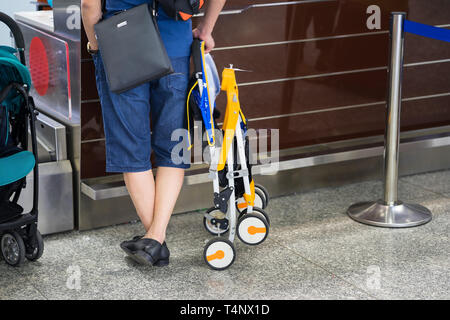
(314, 251)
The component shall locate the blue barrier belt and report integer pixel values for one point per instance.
(427, 31)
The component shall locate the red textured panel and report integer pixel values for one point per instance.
(39, 66)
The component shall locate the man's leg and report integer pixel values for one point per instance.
(141, 187)
(168, 114)
(126, 119)
(168, 185)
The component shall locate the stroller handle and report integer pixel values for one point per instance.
(197, 55)
(17, 33)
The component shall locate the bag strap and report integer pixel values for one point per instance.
(195, 4)
(154, 7)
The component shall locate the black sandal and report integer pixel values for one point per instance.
(147, 251)
(128, 245)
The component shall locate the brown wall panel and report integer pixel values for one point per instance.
(293, 96)
(330, 126)
(426, 80)
(425, 113)
(324, 56)
(91, 122)
(93, 159)
(419, 49)
(89, 88)
(299, 59)
(310, 94)
(324, 127)
(300, 21)
(435, 12)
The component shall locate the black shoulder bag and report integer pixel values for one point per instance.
(132, 49)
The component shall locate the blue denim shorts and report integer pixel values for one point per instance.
(130, 138)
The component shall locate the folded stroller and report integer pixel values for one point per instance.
(19, 237)
(235, 192)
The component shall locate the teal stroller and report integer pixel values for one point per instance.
(19, 236)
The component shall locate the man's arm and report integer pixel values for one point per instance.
(206, 25)
(91, 12)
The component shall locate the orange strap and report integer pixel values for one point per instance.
(184, 16)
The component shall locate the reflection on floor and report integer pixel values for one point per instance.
(314, 251)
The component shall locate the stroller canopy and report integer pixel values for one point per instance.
(11, 70)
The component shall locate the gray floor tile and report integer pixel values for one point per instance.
(318, 204)
(259, 272)
(436, 181)
(20, 291)
(267, 271)
(373, 190)
(13, 286)
(103, 275)
(412, 263)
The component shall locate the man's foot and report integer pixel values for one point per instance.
(132, 246)
(146, 251)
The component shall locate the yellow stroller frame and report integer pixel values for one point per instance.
(252, 225)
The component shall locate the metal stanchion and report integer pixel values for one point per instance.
(390, 212)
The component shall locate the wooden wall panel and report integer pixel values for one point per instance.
(315, 128)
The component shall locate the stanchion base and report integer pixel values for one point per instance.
(400, 215)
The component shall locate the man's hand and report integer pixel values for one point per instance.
(206, 26)
(207, 37)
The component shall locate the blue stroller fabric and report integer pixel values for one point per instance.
(15, 167)
(201, 103)
(15, 164)
(11, 70)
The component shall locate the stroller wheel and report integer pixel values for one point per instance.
(260, 201)
(219, 253)
(265, 193)
(252, 229)
(13, 248)
(35, 249)
(256, 211)
(214, 229)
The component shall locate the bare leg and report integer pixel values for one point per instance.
(168, 185)
(141, 187)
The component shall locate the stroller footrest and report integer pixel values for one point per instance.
(15, 223)
(221, 199)
(9, 211)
